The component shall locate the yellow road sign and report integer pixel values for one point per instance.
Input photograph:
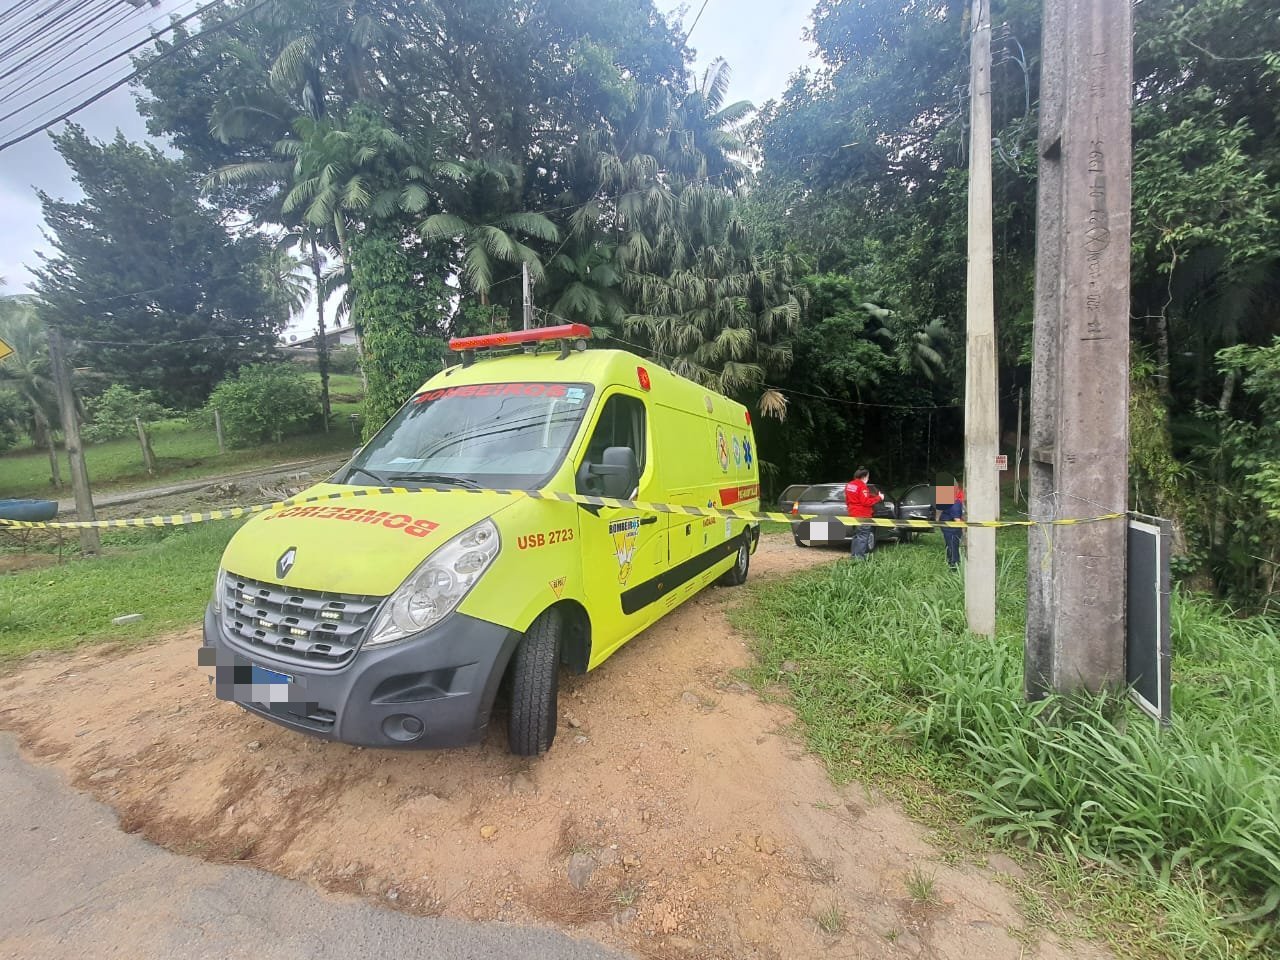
(5, 350)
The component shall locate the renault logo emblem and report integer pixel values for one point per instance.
(285, 563)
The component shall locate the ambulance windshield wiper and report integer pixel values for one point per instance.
(435, 478)
(382, 481)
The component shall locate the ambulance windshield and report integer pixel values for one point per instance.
(505, 435)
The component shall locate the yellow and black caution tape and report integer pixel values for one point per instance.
(233, 513)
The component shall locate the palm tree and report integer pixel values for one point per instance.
(28, 372)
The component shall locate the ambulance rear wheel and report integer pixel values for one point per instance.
(801, 543)
(535, 684)
(737, 574)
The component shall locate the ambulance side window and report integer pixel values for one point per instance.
(621, 424)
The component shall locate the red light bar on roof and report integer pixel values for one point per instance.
(567, 331)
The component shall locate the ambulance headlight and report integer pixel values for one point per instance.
(438, 585)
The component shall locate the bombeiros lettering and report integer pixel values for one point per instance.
(413, 526)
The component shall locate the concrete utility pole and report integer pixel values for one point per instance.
(1080, 374)
(528, 294)
(89, 542)
(981, 424)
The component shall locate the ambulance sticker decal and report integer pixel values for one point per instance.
(747, 456)
(737, 452)
(557, 586)
(722, 448)
(623, 534)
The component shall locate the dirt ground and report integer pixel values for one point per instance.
(676, 815)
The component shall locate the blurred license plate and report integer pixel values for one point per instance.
(268, 686)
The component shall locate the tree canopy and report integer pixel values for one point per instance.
(148, 280)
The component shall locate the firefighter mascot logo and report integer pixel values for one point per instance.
(623, 533)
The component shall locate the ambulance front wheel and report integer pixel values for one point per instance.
(737, 574)
(535, 682)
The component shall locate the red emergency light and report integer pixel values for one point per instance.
(567, 331)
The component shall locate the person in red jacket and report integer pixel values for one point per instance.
(860, 502)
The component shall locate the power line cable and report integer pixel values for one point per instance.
(139, 71)
(25, 32)
(37, 74)
(695, 20)
(54, 34)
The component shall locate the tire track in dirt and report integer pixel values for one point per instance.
(675, 817)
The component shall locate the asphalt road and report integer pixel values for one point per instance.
(74, 886)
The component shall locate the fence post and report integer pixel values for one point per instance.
(217, 425)
(148, 457)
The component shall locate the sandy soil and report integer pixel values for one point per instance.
(676, 815)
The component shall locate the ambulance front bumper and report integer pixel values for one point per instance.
(432, 689)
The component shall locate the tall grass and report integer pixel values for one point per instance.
(889, 685)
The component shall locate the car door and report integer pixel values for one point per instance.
(624, 551)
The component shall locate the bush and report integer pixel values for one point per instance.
(343, 360)
(13, 413)
(111, 414)
(264, 402)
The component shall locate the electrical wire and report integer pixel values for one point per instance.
(35, 76)
(695, 20)
(52, 39)
(16, 39)
(139, 71)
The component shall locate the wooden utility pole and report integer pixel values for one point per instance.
(1080, 373)
(322, 342)
(89, 542)
(981, 424)
(217, 428)
(528, 294)
(144, 441)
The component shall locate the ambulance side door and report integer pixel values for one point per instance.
(624, 552)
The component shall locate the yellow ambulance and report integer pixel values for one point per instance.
(392, 619)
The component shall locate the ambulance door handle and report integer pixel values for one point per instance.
(649, 519)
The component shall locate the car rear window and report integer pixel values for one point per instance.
(824, 493)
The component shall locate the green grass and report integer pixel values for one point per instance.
(165, 575)
(890, 689)
(183, 452)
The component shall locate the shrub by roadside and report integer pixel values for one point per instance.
(265, 402)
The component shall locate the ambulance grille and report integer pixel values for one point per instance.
(309, 627)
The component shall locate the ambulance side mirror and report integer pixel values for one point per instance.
(619, 472)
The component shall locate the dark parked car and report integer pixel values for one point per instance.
(789, 496)
(827, 500)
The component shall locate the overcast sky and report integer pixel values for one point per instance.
(761, 40)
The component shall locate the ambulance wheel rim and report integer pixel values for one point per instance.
(744, 557)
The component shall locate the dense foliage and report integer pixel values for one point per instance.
(863, 179)
(146, 278)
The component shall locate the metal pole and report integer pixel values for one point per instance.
(217, 428)
(982, 480)
(528, 294)
(1080, 372)
(89, 542)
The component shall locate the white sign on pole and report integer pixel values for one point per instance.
(1002, 461)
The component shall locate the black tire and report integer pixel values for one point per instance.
(535, 687)
(737, 574)
(904, 536)
(799, 542)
